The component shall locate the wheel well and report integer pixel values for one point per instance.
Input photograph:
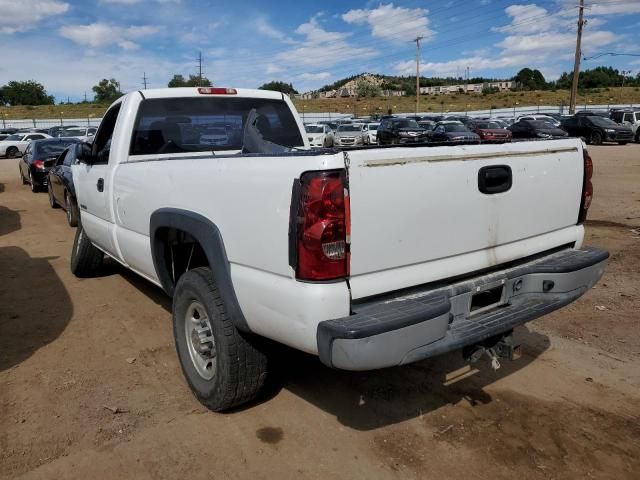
(181, 252)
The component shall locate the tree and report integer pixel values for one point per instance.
(279, 87)
(528, 79)
(194, 81)
(25, 93)
(107, 91)
(367, 89)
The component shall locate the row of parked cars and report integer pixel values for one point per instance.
(14, 142)
(617, 126)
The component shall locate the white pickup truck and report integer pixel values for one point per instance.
(368, 258)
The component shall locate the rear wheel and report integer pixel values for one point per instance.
(596, 138)
(86, 259)
(223, 366)
(34, 187)
(622, 143)
(72, 210)
(24, 180)
(52, 200)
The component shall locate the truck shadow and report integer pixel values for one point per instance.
(370, 400)
(35, 307)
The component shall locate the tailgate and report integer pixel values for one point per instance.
(418, 215)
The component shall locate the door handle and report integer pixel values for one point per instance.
(495, 179)
(100, 185)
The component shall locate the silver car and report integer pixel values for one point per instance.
(349, 135)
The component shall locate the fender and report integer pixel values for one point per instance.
(208, 236)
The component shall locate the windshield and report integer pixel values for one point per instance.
(487, 125)
(313, 129)
(455, 127)
(408, 123)
(52, 148)
(176, 125)
(373, 127)
(14, 137)
(72, 133)
(540, 124)
(349, 128)
(602, 121)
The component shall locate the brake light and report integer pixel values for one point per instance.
(217, 91)
(322, 228)
(39, 164)
(587, 187)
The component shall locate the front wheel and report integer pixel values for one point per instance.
(596, 138)
(223, 366)
(86, 259)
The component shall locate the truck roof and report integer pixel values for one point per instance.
(184, 92)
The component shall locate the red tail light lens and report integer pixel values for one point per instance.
(587, 187)
(39, 164)
(217, 91)
(322, 227)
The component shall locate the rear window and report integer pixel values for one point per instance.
(349, 128)
(199, 124)
(313, 129)
(408, 123)
(53, 148)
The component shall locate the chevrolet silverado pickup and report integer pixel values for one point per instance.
(367, 257)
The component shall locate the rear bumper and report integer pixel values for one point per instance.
(424, 323)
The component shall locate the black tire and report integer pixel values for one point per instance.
(86, 260)
(12, 152)
(24, 180)
(52, 200)
(596, 138)
(622, 143)
(239, 365)
(72, 210)
(34, 188)
(638, 136)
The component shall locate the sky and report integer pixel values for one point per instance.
(70, 45)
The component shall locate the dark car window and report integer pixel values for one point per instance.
(51, 148)
(455, 127)
(602, 122)
(539, 124)
(102, 143)
(406, 123)
(177, 125)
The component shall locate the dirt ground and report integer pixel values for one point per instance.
(90, 385)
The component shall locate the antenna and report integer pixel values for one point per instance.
(144, 80)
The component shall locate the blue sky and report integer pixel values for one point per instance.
(69, 45)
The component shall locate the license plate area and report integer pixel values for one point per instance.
(486, 298)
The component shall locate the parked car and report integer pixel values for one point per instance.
(544, 118)
(82, 133)
(452, 131)
(535, 129)
(489, 130)
(630, 117)
(349, 134)
(38, 158)
(596, 129)
(319, 135)
(426, 124)
(15, 145)
(371, 133)
(367, 258)
(395, 130)
(60, 186)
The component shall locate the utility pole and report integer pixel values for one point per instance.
(466, 85)
(144, 79)
(417, 40)
(576, 65)
(199, 69)
(85, 97)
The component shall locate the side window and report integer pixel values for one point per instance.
(69, 157)
(102, 141)
(27, 151)
(628, 117)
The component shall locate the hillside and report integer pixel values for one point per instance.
(428, 103)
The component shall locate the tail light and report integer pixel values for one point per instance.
(321, 226)
(587, 187)
(39, 164)
(217, 91)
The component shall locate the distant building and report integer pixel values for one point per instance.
(469, 88)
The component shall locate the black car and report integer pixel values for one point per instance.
(536, 129)
(62, 192)
(596, 129)
(39, 157)
(452, 131)
(394, 131)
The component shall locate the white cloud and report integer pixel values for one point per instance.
(603, 7)
(392, 23)
(265, 28)
(529, 19)
(322, 49)
(22, 15)
(314, 76)
(97, 35)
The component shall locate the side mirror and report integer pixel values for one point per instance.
(84, 153)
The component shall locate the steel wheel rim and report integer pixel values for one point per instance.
(200, 342)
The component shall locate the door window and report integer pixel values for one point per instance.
(628, 117)
(102, 142)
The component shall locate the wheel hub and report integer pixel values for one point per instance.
(200, 341)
